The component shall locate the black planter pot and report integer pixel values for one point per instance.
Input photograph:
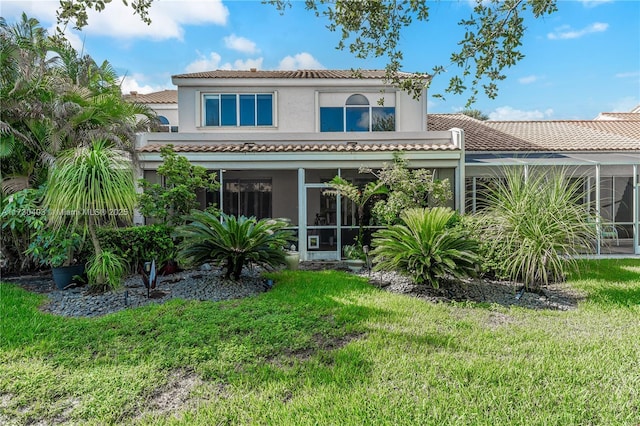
(63, 275)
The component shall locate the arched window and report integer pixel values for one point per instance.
(163, 120)
(357, 100)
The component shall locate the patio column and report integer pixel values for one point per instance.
(302, 215)
(636, 213)
(598, 224)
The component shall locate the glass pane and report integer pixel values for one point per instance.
(265, 110)
(357, 119)
(228, 105)
(247, 110)
(623, 203)
(606, 198)
(231, 200)
(357, 100)
(383, 119)
(255, 198)
(331, 119)
(212, 110)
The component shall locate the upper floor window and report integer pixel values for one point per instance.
(238, 109)
(357, 115)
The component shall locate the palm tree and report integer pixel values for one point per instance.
(92, 186)
(360, 197)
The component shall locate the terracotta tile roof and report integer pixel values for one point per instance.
(298, 147)
(300, 74)
(566, 135)
(162, 97)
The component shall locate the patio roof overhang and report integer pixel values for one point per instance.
(559, 159)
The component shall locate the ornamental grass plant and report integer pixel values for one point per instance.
(535, 226)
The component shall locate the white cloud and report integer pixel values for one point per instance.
(214, 62)
(631, 74)
(44, 10)
(299, 61)
(507, 113)
(168, 19)
(528, 79)
(240, 44)
(135, 83)
(594, 3)
(565, 32)
(118, 21)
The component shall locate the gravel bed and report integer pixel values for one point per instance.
(189, 285)
(210, 285)
(505, 293)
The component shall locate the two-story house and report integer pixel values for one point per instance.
(275, 138)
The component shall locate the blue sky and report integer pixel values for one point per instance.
(580, 61)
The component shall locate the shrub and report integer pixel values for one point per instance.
(408, 188)
(429, 245)
(105, 271)
(23, 218)
(233, 242)
(174, 200)
(534, 228)
(139, 244)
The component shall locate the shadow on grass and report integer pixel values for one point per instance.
(305, 312)
(610, 282)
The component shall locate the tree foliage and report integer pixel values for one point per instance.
(374, 28)
(407, 188)
(54, 98)
(475, 113)
(173, 200)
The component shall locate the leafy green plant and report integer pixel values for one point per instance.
(56, 248)
(233, 242)
(533, 228)
(106, 268)
(354, 252)
(140, 244)
(408, 188)
(429, 245)
(174, 200)
(89, 187)
(23, 218)
(359, 196)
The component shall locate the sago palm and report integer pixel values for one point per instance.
(233, 241)
(429, 245)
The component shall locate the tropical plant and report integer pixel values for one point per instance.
(353, 252)
(174, 200)
(233, 241)
(55, 248)
(534, 228)
(429, 245)
(107, 269)
(408, 188)
(359, 196)
(22, 218)
(88, 187)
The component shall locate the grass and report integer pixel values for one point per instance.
(327, 348)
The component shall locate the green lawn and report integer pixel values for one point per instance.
(327, 348)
